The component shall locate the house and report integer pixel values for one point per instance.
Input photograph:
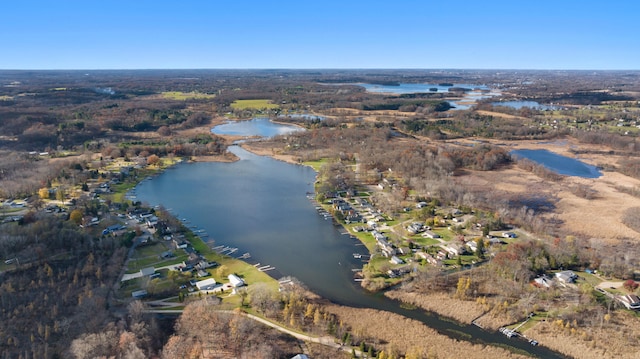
(429, 234)
(421, 204)
(415, 227)
(566, 276)
(386, 248)
(166, 254)
(429, 258)
(300, 356)
(207, 284)
(472, 245)
(630, 301)
(152, 221)
(542, 282)
(147, 271)
(396, 260)
(454, 249)
(180, 243)
(235, 281)
(508, 235)
(404, 250)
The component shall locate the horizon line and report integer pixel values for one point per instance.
(315, 69)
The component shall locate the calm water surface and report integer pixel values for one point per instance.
(262, 127)
(520, 104)
(260, 205)
(403, 88)
(416, 88)
(560, 164)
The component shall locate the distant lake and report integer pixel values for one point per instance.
(416, 88)
(469, 99)
(262, 127)
(520, 104)
(560, 164)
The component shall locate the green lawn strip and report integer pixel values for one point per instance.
(149, 250)
(248, 273)
(444, 233)
(136, 264)
(317, 164)
(253, 104)
(591, 279)
(181, 96)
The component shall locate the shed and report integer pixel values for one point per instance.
(235, 281)
(206, 284)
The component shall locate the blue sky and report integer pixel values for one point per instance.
(152, 34)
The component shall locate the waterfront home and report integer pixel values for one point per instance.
(235, 281)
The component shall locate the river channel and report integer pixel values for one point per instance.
(261, 206)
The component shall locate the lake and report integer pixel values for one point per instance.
(261, 206)
(560, 164)
(520, 104)
(469, 98)
(405, 88)
(262, 127)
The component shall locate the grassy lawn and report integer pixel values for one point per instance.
(317, 164)
(444, 233)
(137, 264)
(149, 250)
(181, 96)
(253, 104)
(590, 278)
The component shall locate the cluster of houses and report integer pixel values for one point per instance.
(561, 278)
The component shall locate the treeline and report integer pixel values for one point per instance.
(203, 330)
(471, 124)
(59, 287)
(198, 145)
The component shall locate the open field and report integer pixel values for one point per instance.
(578, 215)
(181, 96)
(253, 104)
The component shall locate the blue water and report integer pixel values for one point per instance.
(520, 104)
(560, 164)
(416, 88)
(260, 205)
(262, 127)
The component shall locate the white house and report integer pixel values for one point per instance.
(235, 280)
(207, 284)
(630, 301)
